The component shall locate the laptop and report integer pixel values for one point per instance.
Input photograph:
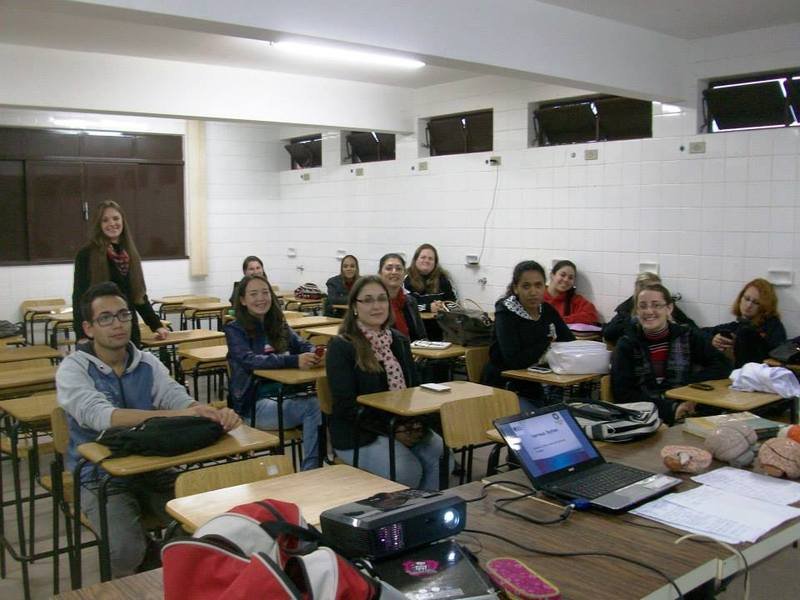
(562, 461)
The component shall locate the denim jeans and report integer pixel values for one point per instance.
(415, 467)
(303, 411)
(127, 498)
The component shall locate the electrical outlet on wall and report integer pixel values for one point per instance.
(472, 260)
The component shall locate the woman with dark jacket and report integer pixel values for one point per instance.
(369, 356)
(656, 355)
(757, 328)
(404, 308)
(524, 327)
(339, 286)
(430, 286)
(615, 328)
(111, 255)
(260, 338)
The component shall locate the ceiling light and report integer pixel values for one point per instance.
(352, 56)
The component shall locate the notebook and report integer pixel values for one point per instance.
(560, 460)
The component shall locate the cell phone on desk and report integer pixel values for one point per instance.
(702, 386)
(539, 369)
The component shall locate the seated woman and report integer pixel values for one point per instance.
(757, 328)
(369, 356)
(260, 338)
(616, 327)
(656, 355)
(405, 311)
(524, 326)
(339, 286)
(562, 295)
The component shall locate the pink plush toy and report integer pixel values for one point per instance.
(780, 457)
(685, 459)
(733, 443)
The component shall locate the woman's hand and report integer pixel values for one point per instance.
(161, 333)
(722, 343)
(436, 306)
(685, 409)
(308, 360)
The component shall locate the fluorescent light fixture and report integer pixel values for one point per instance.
(105, 133)
(670, 109)
(741, 84)
(343, 55)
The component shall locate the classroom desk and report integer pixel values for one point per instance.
(313, 491)
(242, 440)
(37, 313)
(178, 337)
(566, 383)
(327, 331)
(302, 303)
(286, 377)
(418, 401)
(59, 322)
(26, 381)
(776, 363)
(723, 396)
(204, 310)
(9, 355)
(24, 415)
(205, 358)
(313, 321)
(142, 586)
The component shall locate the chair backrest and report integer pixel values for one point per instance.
(465, 422)
(187, 364)
(606, 395)
(476, 359)
(324, 396)
(232, 473)
(24, 365)
(58, 422)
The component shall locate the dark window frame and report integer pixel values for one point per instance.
(369, 146)
(460, 133)
(591, 119)
(305, 152)
(755, 101)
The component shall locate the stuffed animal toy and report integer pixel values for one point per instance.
(792, 432)
(780, 457)
(685, 459)
(733, 443)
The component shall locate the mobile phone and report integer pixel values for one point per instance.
(319, 351)
(539, 369)
(436, 387)
(727, 334)
(702, 386)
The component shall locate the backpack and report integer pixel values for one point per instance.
(9, 329)
(608, 422)
(161, 436)
(262, 549)
(308, 291)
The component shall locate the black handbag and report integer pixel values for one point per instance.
(464, 326)
(161, 436)
(788, 352)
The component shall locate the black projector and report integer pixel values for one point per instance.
(389, 523)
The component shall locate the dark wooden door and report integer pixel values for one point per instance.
(159, 223)
(13, 219)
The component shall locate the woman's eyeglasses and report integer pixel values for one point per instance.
(651, 306)
(105, 319)
(369, 300)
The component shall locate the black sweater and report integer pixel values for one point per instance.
(82, 282)
(347, 382)
(424, 299)
(752, 343)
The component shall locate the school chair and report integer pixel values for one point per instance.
(476, 359)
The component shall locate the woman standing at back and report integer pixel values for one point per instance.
(111, 255)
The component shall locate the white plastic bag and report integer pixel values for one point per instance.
(578, 357)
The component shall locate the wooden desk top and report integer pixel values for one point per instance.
(206, 354)
(313, 491)
(30, 409)
(142, 586)
(291, 376)
(419, 401)
(453, 351)
(240, 440)
(61, 318)
(21, 378)
(301, 301)
(339, 306)
(293, 314)
(303, 322)
(722, 396)
(174, 299)
(48, 308)
(326, 331)
(204, 305)
(8, 355)
(550, 378)
(178, 337)
(776, 363)
(427, 315)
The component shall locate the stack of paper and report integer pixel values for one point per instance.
(733, 506)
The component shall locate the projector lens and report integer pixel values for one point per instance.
(450, 519)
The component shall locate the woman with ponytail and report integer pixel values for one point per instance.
(111, 255)
(562, 295)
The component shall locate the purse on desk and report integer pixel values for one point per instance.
(465, 326)
(788, 352)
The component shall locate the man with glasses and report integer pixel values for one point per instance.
(108, 382)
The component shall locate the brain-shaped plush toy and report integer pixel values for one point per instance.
(733, 443)
(780, 457)
(685, 459)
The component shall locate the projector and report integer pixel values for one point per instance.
(390, 523)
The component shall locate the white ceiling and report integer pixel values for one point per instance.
(690, 19)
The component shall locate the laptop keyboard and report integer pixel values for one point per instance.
(602, 480)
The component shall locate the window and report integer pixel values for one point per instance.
(753, 102)
(460, 134)
(593, 119)
(52, 180)
(368, 146)
(305, 152)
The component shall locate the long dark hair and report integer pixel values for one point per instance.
(520, 269)
(273, 324)
(570, 293)
(341, 265)
(425, 283)
(349, 329)
(99, 269)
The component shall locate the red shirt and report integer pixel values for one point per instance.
(581, 310)
(398, 303)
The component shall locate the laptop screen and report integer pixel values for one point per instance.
(548, 442)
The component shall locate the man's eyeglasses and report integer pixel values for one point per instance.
(651, 306)
(105, 319)
(370, 300)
